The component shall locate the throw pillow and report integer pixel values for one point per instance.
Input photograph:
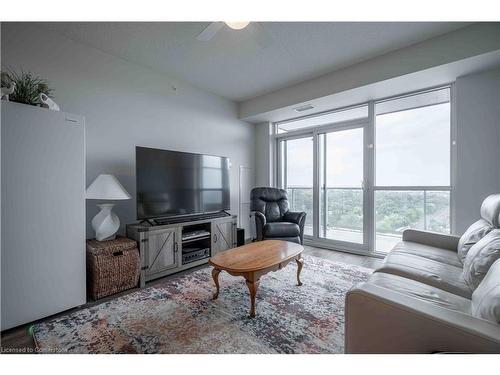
(486, 298)
(471, 236)
(480, 258)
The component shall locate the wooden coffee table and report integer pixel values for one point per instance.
(254, 260)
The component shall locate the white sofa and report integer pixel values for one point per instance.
(433, 293)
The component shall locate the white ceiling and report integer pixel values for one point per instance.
(261, 58)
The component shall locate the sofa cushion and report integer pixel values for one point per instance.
(422, 292)
(430, 252)
(281, 229)
(480, 258)
(490, 210)
(428, 271)
(471, 236)
(486, 298)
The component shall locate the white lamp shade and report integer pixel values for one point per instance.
(106, 186)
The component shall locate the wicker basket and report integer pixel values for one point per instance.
(112, 266)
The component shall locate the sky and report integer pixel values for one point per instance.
(412, 149)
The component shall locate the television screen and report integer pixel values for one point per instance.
(172, 183)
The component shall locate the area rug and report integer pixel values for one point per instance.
(179, 316)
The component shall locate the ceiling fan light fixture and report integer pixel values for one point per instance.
(237, 25)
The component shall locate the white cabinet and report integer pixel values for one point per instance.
(43, 213)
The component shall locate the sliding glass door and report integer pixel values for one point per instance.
(322, 168)
(365, 174)
(341, 166)
(297, 164)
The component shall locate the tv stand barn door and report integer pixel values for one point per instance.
(223, 234)
(160, 251)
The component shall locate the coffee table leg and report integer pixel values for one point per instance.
(252, 287)
(215, 276)
(300, 263)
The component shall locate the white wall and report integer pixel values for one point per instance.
(127, 105)
(263, 154)
(478, 143)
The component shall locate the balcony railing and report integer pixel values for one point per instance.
(395, 210)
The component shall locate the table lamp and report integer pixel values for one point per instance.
(106, 223)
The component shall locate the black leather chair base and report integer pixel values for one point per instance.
(281, 229)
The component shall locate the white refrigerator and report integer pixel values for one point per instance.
(43, 213)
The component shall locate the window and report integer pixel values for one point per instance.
(364, 179)
(412, 153)
(413, 145)
(397, 210)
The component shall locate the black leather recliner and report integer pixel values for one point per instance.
(273, 218)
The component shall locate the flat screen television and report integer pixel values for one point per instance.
(172, 183)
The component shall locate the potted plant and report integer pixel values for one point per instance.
(28, 87)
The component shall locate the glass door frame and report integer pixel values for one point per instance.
(281, 166)
(315, 132)
(369, 124)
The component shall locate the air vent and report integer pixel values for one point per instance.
(303, 108)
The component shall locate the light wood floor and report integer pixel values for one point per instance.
(338, 256)
(20, 339)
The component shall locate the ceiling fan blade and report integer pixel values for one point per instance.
(210, 31)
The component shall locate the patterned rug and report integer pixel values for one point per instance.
(179, 316)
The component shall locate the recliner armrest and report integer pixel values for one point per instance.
(294, 217)
(260, 220)
(298, 218)
(259, 216)
(380, 320)
(443, 241)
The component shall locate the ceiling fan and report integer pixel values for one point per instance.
(213, 28)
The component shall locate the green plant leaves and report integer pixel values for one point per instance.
(28, 87)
